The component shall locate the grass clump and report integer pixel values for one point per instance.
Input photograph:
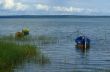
(12, 54)
(14, 51)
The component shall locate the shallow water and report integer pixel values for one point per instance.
(63, 55)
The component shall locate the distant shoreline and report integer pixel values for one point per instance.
(52, 16)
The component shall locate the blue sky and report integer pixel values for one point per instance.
(54, 7)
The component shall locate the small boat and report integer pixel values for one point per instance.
(82, 42)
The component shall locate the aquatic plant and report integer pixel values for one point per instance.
(12, 54)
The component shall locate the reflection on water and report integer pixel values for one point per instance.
(83, 51)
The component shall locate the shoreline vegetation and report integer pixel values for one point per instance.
(13, 54)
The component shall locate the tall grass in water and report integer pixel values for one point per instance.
(12, 54)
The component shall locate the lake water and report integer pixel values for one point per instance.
(63, 55)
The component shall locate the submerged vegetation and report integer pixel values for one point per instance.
(12, 53)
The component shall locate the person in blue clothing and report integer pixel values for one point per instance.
(82, 40)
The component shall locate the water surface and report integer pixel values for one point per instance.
(63, 55)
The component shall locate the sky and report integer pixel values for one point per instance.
(54, 7)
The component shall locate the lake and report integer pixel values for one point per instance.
(63, 55)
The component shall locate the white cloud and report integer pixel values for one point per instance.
(8, 4)
(21, 7)
(67, 9)
(12, 5)
(42, 7)
(15, 5)
(72, 10)
(64, 9)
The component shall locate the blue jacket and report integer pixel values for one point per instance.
(82, 40)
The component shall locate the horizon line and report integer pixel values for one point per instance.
(54, 16)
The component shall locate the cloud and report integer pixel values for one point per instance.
(42, 7)
(21, 7)
(63, 9)
(67, 9)
(12, 5)
(8, 4)
(73, 10)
